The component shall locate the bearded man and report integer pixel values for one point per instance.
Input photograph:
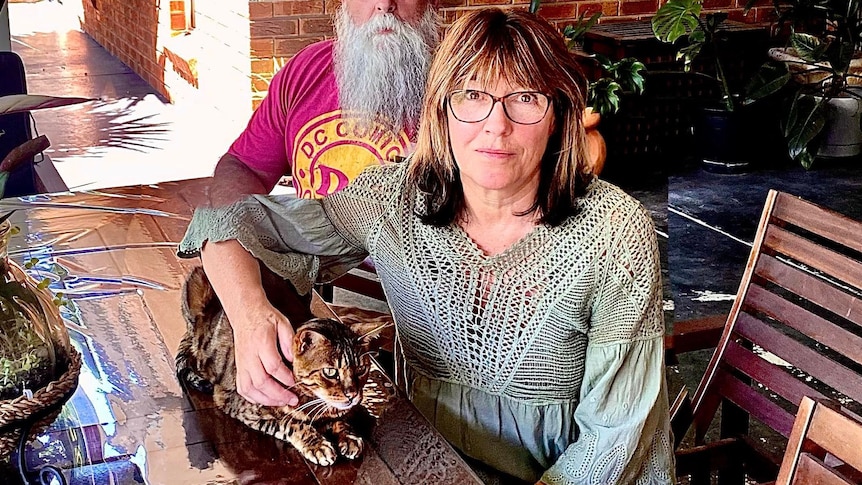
(337, 106)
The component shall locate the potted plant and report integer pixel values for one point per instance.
(613, 79)
(722, 125)
(38, 367)
(822, 71)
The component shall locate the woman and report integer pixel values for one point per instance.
(526, 295)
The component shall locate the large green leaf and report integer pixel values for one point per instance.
(575, 32)
(804, 122)
(628, 72)
(15, 103)
(534, 5)
(770, 78)
(808, 47)
(675, 19)
(604, 96)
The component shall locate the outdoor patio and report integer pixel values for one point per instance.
(130, 135)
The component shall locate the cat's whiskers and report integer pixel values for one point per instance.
(319, 411)
(306, 405)
(311, 415)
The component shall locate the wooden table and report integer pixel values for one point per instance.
(130, 421)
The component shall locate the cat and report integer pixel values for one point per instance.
(331, 366)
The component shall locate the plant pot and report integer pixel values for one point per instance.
(722, 140)
(38, 367)
(807, 73)
(841, 135)
(597, 149)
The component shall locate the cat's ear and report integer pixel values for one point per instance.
(368, 330)
(306, 339)
(198, 295)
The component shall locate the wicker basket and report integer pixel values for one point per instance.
(17, 414)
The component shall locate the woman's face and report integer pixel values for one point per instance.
(497, 154)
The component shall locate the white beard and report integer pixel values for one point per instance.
(381, 77)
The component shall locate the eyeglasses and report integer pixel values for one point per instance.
(522, 107)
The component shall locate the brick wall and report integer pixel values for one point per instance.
(235, 47)
(204, 62)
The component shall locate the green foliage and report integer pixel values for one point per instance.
(825, 36)
(623, 76)
(678, 18)
(23, 355)
(574, 33)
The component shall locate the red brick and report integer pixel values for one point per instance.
(260, 83)
(608, 9)
(717, 4)
(259, 10)
(297, 7)
(275, 27)
(289, 47)
(452, 3)
(262, 47)
(315, 25)
(489, 2)
(559, 11)
(638, 7)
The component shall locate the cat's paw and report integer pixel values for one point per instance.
(321, 453)
(350, 445)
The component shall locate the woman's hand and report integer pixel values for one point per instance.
(259, 330)
(261, 374)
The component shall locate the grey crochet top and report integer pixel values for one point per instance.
(545, 360)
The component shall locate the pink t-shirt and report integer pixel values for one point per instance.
(299, 128)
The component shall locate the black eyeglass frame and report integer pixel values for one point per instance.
(494, 101)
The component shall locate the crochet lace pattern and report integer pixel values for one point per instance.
(515, 325)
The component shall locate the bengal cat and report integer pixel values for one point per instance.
(331, 366)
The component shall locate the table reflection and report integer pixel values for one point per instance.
(110, 253)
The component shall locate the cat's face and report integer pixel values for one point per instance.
(331, 361)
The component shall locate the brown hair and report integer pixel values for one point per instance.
(488, 45)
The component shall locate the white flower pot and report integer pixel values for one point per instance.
(842, 136)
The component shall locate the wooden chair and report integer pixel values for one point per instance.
(794, 330)
(822, 432)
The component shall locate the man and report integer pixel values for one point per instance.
(337, 106)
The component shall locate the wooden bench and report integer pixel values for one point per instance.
(794, 330)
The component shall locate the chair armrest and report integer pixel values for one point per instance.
(695, 334)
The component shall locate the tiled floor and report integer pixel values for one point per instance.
(129, 134)
(712, 219)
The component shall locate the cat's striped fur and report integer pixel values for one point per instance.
(330, 367)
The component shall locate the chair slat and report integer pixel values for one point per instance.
(777, 380)
(797, 247)
(810, 287)
(838, 434)
(811, 470)
(803, 358)
(815, 327)
(821, 221)
(756, 404)
(819, 263)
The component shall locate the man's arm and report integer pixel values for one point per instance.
(259, 330)
(233, 180)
